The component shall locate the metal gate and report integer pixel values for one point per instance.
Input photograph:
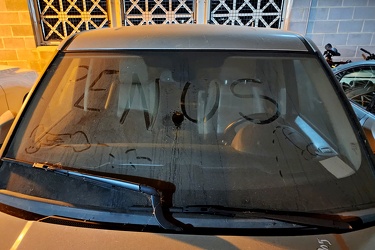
(54, 20)
(256, 13)
(139, 12)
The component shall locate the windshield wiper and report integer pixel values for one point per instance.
(163, 215)
(300, 218)
(156, 198)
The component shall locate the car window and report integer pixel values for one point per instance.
(358, 84)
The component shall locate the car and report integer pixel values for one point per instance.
(15, 83)
(187, 136)
(358, 81)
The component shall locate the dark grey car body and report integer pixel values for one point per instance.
(187, 136)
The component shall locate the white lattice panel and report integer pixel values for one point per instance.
(256, 13)
(60, 18)
(145, 12)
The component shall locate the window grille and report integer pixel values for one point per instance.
(145, 12)
(56, 19)
(256, 13)
(60, 18)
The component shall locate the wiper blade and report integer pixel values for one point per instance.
(300, 218)
(164, 215)
(156, 198)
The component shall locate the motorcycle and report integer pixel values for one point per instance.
(371, 56)
(329, 53)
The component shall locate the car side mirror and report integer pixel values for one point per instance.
(6, 120)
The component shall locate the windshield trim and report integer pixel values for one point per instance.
(260, 54)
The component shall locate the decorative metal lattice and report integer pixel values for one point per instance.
(256, 13)
(60, 18)
(145, 12)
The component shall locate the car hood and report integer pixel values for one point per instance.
(10, 76)
(352, 64)
(21, 234)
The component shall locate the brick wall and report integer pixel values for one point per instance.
(17, 43)
(347, 24)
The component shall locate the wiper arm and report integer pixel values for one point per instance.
(156, 198)
(167, 221)
(300, 218)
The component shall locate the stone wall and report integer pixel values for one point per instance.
(347, 24)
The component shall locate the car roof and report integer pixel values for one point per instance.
(186, 36)
(353, 64)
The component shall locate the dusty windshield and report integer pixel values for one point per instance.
(231, 128)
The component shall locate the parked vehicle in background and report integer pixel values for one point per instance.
(187, 136)
(329, 53)
(367, 121)
(368, 55)
(15, 84)
(358, 81)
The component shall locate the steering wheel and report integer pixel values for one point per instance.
(363, 100)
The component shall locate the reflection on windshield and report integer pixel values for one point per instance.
(230, 129)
